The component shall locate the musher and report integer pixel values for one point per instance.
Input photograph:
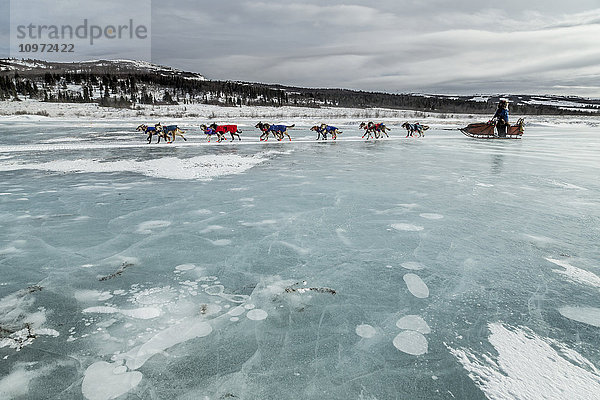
(501, 118)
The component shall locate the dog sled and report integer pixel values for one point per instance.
(486, 130)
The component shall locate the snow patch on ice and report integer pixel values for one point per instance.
(408, 205)
(237, 311)
(185, 267)
(567, 185)
(431, 216)
(16, 311)
(47, 332)
(101, 382)
(540, 240)
(211, 228)
(416, 286)
(220, 242)
(204, 167)
(147, 228)
(413, 266)
(261, 223)
(9, 250)
(219, 290)
(155, 296)
(301, 251)
(529, 367)
(575, 274)
(407, 227)
(340, 234)
(586, 315)
(365, 331)
(414, 323)
(257, 315)
(190, 328)
(87, 296)
(411, 342)
(138, 313)
(15, 385)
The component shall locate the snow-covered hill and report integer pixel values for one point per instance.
(29, 67)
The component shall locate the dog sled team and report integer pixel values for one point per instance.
(279, 132)
(497, 128)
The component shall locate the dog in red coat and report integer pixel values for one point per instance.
(227, 129)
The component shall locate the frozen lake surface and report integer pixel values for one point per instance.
(435, 268)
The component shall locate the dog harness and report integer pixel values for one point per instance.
(278, 128)
(170, 128)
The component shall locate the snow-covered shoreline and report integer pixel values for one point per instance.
(29, 109)
(32, 111)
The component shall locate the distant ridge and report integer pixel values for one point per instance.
(26, 67)
(125, 83)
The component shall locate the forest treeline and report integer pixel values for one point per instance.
(117, 87)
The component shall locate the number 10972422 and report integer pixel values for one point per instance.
(46, 48)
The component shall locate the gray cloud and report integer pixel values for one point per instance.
(398, 46)
(543, 46)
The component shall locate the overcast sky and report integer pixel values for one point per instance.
(428, 46)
